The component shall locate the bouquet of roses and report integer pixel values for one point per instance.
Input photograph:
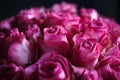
(59, 43)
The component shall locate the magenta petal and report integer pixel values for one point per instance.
(20, 50)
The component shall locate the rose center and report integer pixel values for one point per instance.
(49, 67)
(87, 44)
(52, 30)
(99, 24)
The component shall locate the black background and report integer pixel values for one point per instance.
(109, 8)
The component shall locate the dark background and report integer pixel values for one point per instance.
(109, 8)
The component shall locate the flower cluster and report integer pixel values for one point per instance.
(59, 43)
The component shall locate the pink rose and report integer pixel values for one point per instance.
(86, 51)
(50, 66)
(54, 38)
(109, 68)
(97, 28)
(19, 49)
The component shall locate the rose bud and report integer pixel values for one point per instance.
(109, 68)
(11, 72)
(86, 51)
(20, 50)
(50, 66)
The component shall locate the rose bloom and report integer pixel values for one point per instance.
(16, 48)
(109, 68)
(97, 28)
(29, 17)
(86, 51)
(54, 39)
(50, 66)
